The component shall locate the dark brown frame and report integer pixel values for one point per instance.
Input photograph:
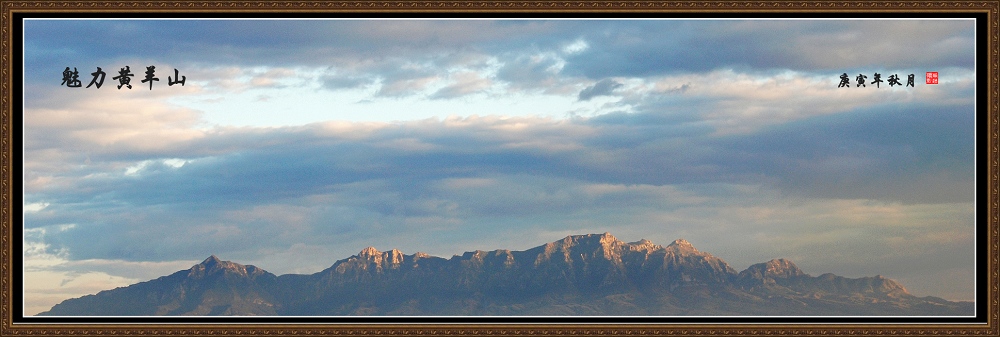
(990, 8)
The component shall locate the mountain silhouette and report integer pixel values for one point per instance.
(594, 274)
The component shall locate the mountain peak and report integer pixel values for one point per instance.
(599, 238)
(369, 252)
(644, 245)
(211, 260)
(782, 268)
(682, 245)
(606, 240)
(371, 257)
(776, 268)
(213, 265)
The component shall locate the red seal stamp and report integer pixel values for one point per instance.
(932, 77)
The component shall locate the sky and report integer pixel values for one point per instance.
(296, 143)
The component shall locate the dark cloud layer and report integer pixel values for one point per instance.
(875, 153)
(601, 88)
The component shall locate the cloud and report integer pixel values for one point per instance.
(877, 153)
(530, 72)
(407, 86)
(398, 174)
(735, 102)
(650, 48)
(603, 87)
(347, 82)
(464, 84)
(438, 59)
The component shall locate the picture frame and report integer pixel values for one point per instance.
(12, 321)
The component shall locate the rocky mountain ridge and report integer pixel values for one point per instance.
(594, 274)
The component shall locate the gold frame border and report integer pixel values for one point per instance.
(10, 7)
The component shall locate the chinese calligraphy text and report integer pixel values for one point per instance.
(845, 80)
(71, 78)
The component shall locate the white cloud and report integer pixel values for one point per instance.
(35, 207)
(464, 83)
(577, 46)
(110, 120)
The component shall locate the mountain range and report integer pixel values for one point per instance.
(594, 274)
